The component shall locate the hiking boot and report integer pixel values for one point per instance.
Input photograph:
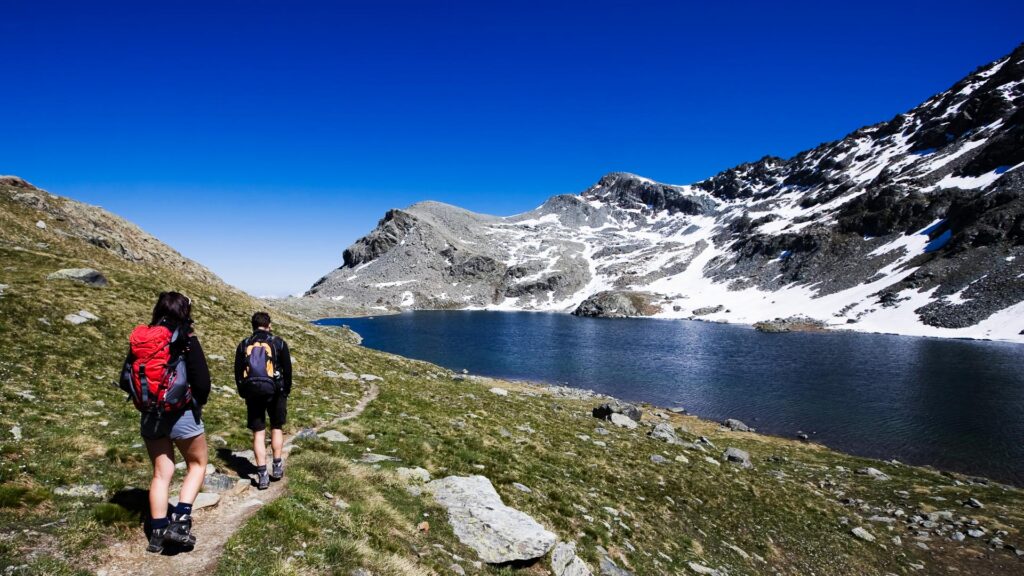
(156, 540)
(180, 530)
(277, 471)
(263, 481)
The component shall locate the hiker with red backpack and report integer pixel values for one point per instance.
(166, 377)
(263, 375)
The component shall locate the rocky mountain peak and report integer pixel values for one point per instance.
(912, 225)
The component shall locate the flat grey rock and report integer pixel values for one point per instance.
(203, 500)
(610, 568)
(411, 475)
(623, 421)
(371, 458)
(86, 276)
(496, 532)
(333, 436)
(82, 491)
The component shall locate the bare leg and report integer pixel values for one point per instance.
(277, 442)
(259, 447)
(161, 454)
(194, 451)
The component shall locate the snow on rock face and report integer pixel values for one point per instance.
(909, 226)
(496, 532)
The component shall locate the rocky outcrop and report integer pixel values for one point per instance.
(618, 304)
(481, 521)
(86, 276)
(791, 324)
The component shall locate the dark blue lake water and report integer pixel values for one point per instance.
(957, 405)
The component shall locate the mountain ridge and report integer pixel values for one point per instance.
(913, 225)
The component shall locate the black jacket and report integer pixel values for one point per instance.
(196, 370)
(284, 359)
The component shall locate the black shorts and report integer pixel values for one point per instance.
(257, 409)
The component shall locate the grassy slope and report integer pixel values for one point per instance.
(669, 514)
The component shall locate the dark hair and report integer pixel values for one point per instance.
(173, 308)
(260, 320)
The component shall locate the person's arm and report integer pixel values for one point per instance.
(197, 371)
(285, 359)
(239, 366)
(125, 383)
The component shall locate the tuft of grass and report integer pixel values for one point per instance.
(109, 514)
(21, 496)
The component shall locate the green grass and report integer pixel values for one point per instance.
(791, 514)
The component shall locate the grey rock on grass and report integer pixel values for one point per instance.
(82, 491)
(565, 562)
(496, 532)
(664, 432)
(86, 276)
(610, 568)
(737, 456)
(736, 425)
(333, 436)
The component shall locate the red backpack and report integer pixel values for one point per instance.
(156, 380)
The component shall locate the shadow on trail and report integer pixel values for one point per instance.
(241, 466)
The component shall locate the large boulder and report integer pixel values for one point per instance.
(605, 411)
(86, 276)
(496, 532)
(665, 432)
(619, 304)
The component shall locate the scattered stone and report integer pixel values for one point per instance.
(973, 503)
(333, 436)
(975, 532)
(737, 426)
(360, 572)
(704, 311)
(623, 421)
(81, 317)
(803, 437)
(682, 459)
(369, 378)
(609, 568)
(601, 431)
(711, 460)
(702, 569)
(218, 483)
(664, 432)
(959, 536)
(458, 570)
(86, 276)
(215, 357)
(522, 487)
(203, 500)
(862, 534)
(40, 224)
(874, 473)
(16, 433)
(737, 456)
(658, 459)
(480, 520)
(565, 562)
(411, 475)
(82, 491)
(605, 411)
(499, 391)
(304, 434)
(371, 458)
(791, 324)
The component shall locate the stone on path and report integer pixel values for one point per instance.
(218, 483)
(369, 377)
(565, 562)
(496, 532)
(86, 276)
(862, 534)
(333, 436)
(203, 500)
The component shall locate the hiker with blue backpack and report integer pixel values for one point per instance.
(166, 377)
(263, 375)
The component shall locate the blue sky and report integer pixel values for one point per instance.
(251, 130)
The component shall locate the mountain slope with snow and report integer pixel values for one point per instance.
(911, 226)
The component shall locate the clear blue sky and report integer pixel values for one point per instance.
(238, 131)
